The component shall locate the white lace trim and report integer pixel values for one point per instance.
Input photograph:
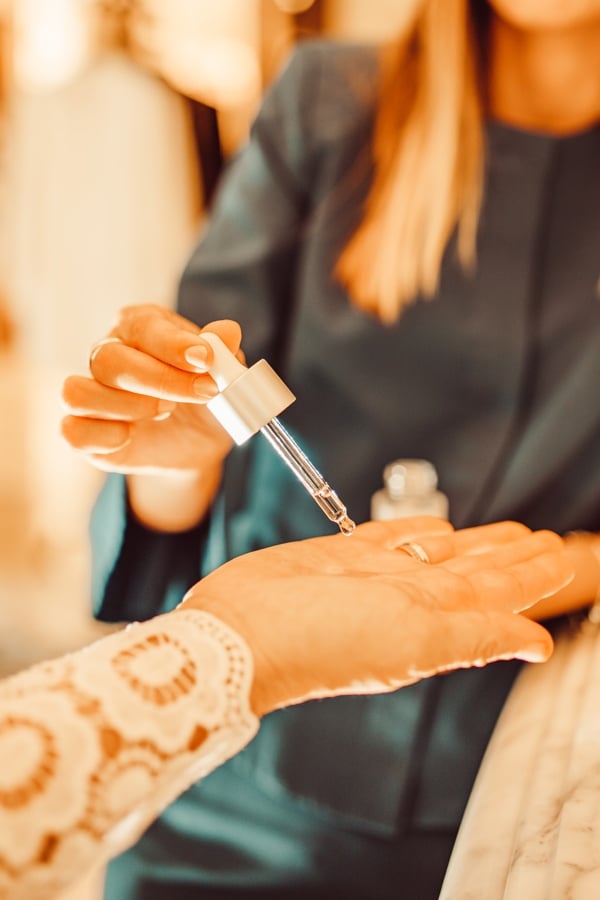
(94, 745)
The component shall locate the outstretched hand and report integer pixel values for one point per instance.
(337, 615)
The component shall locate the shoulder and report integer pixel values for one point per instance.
(346, 66)
(326, 86)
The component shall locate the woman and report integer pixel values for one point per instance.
(93, 745)
(462, 166)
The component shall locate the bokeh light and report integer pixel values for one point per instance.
(52, 42)
(294, 6)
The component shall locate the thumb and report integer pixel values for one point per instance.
(228, 330)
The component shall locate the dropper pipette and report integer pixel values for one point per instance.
(323, 495)
(249, 400)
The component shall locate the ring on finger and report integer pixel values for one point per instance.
(99, 344)
(415, 550)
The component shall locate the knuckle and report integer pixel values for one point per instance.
(122, 317)
(134, 310)
(552, 539)
(103, 361)
(167, 382)
(518, 528)
(69, 391)
(77, 393)
(118, 434)
(138, 320)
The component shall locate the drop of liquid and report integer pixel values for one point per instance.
(346, 525)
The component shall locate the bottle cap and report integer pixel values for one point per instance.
(404, 477)
(249, 397)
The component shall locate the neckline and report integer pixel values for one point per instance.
(498, 127)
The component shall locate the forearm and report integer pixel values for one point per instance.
(583, 550)
(96, 744)
(173, 503)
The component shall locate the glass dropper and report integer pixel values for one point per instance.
(310, 477)
(249, 400)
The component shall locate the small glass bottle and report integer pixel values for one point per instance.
(410, 489)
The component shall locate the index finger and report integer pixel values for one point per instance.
(166, 336)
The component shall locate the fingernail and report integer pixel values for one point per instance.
(197, 355)
(204, 387)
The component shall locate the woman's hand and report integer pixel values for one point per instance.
(338, 615)
(583, 551)
(142, 411)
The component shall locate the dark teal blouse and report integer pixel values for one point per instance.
(495, 380)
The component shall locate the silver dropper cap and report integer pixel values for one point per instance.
(248, 398)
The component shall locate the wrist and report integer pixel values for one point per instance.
(218, 595)
(172, 502)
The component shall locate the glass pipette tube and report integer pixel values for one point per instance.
(310, 477)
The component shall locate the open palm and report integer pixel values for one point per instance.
(337, 615)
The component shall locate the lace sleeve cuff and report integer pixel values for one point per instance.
(94, 745)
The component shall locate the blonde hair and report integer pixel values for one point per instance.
(428, 157)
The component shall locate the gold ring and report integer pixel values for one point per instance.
(96, 347)
(415, 550)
